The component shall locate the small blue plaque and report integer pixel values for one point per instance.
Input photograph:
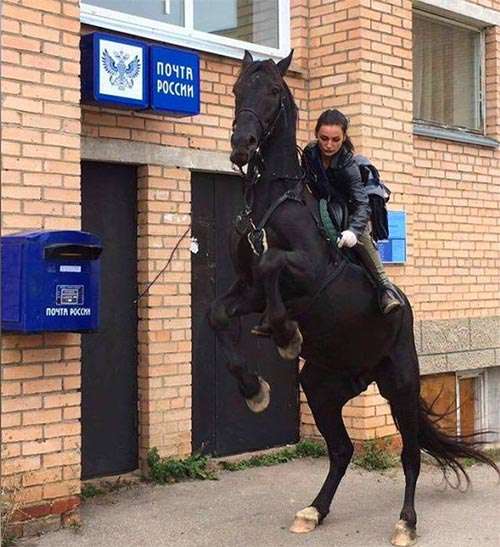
(175, 81)
(393, 250)
(114, 70)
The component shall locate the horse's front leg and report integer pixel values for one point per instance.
(326, 395)
(286, 333)
(239, 300)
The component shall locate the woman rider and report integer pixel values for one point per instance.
(336, 176)
(333, 174)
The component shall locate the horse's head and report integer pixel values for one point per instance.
(259, 93)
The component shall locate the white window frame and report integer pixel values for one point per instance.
(482, 394)
(480, 79)
(187, 36)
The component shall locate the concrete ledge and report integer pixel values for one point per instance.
(485, 332)
(468, 12)
(444, 336)
(458, 344)
(143, 153)
(433, 364)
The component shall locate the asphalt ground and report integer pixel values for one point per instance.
(256, 506)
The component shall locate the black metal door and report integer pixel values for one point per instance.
(109, 357)
(222, 423)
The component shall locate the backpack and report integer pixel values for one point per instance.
(378, 195)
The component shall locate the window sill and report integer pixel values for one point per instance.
(454, 135)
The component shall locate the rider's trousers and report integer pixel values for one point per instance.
(367, 252)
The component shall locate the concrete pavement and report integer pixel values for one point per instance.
(255, 508)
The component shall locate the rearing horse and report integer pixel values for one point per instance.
(318, 305)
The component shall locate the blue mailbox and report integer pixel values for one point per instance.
(50, 281)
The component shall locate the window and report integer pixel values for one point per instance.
(461, 398)
(171, 11)
(254, 21)
(226, 27)
(447, 67)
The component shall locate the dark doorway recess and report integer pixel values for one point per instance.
(222, 423)
(109, 357)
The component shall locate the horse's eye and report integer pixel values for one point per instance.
(275, 90)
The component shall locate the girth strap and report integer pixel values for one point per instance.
(289, 194)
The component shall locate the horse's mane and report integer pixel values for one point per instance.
(271, 68)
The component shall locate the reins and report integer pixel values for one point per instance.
(244, 224)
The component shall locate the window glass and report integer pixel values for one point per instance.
(254, 21)
(166, 11)
(446, 73)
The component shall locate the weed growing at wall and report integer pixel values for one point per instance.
(164, 470)
(168, 470)
(375, 456)
(304, 449)
(90, 491)
(8, 506)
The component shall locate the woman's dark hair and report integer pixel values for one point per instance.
(335, 117)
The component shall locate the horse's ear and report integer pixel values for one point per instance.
(285, 63)
(247, 59)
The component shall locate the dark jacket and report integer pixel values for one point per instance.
(340, 182)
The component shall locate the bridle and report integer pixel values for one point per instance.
(244, 224)
(256, 161)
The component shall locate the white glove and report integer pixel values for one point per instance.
(348, 239)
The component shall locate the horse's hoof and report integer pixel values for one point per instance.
(260, 401)
(403, 535)
(292, 351)
(305, 521)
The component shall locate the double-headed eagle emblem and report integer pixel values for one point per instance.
(122, 73)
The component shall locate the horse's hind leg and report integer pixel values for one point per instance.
(239, 300)
(326, 397)
(401, 387)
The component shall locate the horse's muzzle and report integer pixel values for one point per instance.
(243, 145)
(240, 156)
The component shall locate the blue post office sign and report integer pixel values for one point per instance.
(174, 81)
(115, 70)
(393, 250)
(131, 74)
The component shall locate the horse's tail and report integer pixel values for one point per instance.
(447, 449)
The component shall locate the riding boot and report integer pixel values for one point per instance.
(263, 328)
(366, 251)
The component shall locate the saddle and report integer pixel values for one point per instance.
(333, 217)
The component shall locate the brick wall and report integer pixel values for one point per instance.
(40, 189)
(164, 199)
(457, 200)
(354, 55)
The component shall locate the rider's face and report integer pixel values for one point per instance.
(330, 139)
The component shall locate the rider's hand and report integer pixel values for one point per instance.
(348, 239)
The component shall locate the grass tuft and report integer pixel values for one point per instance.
(8, 507)
(90, 490)
(304, 449)
(168, 470)
(375, 456)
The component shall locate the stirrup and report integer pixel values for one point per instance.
(263, 330)
(393, 304)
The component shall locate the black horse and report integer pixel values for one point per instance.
(318, 305)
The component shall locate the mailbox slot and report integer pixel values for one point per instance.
(72, 252)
